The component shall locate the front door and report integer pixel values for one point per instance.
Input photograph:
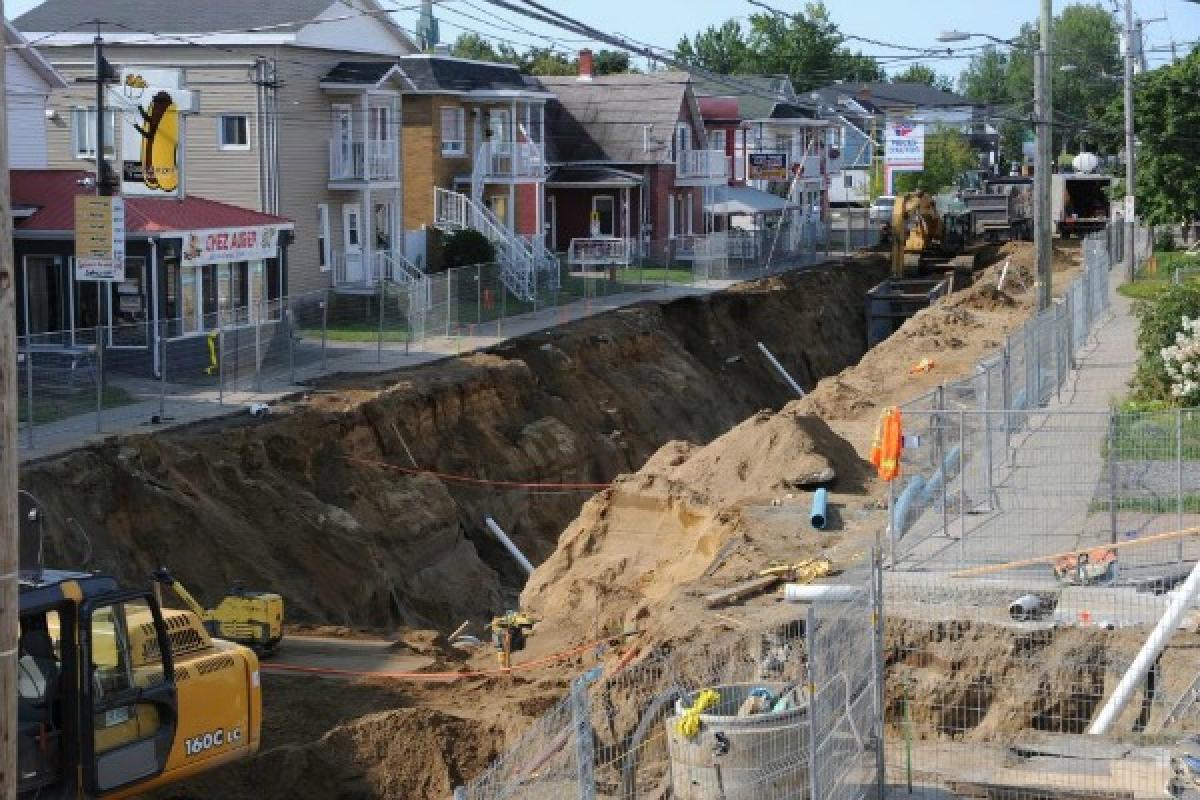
(552, 223)
(343, 141)
(46, 295)
(383, 231)
(352, 230)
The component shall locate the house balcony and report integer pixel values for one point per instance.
(358, 162)
(510, 162)
(702, 168)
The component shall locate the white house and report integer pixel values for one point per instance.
(28, 81)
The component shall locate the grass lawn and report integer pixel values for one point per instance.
(1151, 436)
(1148, 285)
(1150, 505)
(355, 332)
(48, 407)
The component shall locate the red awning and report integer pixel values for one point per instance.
(52, 193)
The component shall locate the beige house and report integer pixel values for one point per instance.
(261, 127)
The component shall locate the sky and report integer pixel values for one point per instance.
(663, 22)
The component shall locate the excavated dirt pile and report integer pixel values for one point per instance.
(296, 504)
(697, 519)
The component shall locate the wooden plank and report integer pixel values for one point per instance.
(741, 591)
(999, 791)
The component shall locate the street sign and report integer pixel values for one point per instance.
(768, 167)
(99, 238)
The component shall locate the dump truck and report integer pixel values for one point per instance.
(1081, 203)
(1002, 209)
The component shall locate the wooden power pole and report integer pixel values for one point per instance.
(9, 531)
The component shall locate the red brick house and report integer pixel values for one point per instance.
(628, 159)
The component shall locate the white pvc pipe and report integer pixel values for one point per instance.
(1151, 650)
(803, 593)
(779, 368)
(502, 537)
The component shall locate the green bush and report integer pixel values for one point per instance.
(466, 248)
(1164, 241)
(1159, 319)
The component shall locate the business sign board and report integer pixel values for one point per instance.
(151, 102)
(768, 167)
(99, 238)
(904, 143)
(223, 245)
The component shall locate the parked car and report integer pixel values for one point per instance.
(881, 209)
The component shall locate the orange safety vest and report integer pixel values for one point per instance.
(887, 445)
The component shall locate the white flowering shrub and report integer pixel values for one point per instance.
(1182, 363)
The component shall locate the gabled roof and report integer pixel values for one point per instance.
(367, 73)
(172, 16)
(436, 73)
(298, 22)
(759, 97)
(36, 61)
(887, 96)
(52, 192)
(623, 119)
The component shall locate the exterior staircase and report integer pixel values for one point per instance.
(524, 262)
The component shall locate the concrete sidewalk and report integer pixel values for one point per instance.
(161, 406)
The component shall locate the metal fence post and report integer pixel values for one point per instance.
(941, 457)
(324, 330)
(382, 304)
(879, 671)
(29, 388)
(584, 749)
(479, 294)
(262, 312)
(962, 486)
(1112, 475)
(1006, 390)
(162, 369)
(449, 280)
(814, 730)
(1179, 478)
(291, 340)
(987, 432)
(99, 378)
(221, 365)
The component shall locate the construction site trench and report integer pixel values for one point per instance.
(349, 501)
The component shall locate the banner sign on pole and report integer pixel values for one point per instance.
(905, 144)
(99, 238)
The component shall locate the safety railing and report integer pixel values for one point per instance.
(376, 160)
(702, 167)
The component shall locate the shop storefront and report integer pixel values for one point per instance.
(192, 266)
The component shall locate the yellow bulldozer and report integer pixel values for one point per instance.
(117, 696)
(252, 619)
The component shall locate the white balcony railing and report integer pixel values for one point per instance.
(374, 160)
(702, 166)
(511, 160)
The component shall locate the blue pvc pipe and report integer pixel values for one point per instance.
(904, 505)
(817, 514)
(949, 467)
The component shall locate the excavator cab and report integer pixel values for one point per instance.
(97, 708)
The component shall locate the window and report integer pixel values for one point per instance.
(849, 180)
(323, 254)
(454, 131)
(83, 132)
(716, 141)
(499, 129)
(381, 127)
(233, 132)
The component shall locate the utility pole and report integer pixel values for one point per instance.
(10, 552)
(1043, 224)
(104, 183)
(1130, 161)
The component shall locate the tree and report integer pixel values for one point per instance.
(544, 61)
(721, 49)
(612, 62)
(985, 80)
(948, 154)
(919, 73)
(1167, 119)
(806, 46)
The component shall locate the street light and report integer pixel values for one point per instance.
(962, 36)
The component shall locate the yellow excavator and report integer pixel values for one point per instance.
(922, 236)
(117, 696)
(253, 619)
